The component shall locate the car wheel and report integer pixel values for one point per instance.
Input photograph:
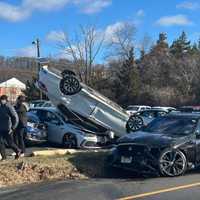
(70, 85)
(69, 141)
(134, 123)
(172, 163)
(67, 73)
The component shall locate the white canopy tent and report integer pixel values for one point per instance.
(13, 83)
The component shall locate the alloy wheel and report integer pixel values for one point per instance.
(172, 163)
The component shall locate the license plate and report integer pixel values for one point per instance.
(126, 160)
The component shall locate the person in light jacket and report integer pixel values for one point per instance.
(9, 121)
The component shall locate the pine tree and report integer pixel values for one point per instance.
(180, 46)
(127, 80)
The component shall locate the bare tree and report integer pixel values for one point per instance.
(83, 48)
(122, 41)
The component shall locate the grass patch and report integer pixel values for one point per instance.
(37, 169)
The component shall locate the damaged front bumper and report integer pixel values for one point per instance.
(143, 161)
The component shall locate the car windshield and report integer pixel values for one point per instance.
(172, 125)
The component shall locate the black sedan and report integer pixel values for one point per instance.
(169, 146)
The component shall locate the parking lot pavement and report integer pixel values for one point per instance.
(183, 188)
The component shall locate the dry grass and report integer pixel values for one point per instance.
(37, 169)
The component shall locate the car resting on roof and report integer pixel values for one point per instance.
(66, 90)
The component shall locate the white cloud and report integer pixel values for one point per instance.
(44, 4)
(29, 51)
(12, 13)
(189, 5)
(22, 11)
(111, 30)
(176, 20)
(93, 6)
(140, 13)
(56, 36)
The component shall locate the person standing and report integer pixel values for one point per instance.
(21, 110)
(9, 121)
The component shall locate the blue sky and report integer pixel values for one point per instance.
(21, 21)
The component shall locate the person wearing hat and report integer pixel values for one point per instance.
(9, 121)
(21, 109)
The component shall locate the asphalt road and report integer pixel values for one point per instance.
(183, 188)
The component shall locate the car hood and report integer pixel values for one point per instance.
(153, 139)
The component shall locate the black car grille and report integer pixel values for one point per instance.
(131, 149)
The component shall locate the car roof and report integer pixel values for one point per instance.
(154, 109)
(139, 106)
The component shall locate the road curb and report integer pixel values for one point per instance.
(54, 152)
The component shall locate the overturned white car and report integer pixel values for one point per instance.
(78, 101)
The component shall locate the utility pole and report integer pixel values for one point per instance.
(37, 44)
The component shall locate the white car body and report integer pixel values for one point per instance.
(136, 108)
(58, 127)
(165, 108)
(87, 102)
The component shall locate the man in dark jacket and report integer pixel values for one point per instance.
(21, 110)
(9, 121)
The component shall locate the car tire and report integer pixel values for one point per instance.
(134, 123)
(172, 162)
(69, 141)
(67, 73)
(70, 85)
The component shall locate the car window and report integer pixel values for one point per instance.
(144, 114)
(51, 117)
(149, 114)
(161, 113)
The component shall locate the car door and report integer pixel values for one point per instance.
(55, 127)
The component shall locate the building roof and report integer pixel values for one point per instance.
(13, 83)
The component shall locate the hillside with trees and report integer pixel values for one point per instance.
(164, 74)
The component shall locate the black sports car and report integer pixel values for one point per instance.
(169, 146)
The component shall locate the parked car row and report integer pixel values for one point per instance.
(132, 109)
